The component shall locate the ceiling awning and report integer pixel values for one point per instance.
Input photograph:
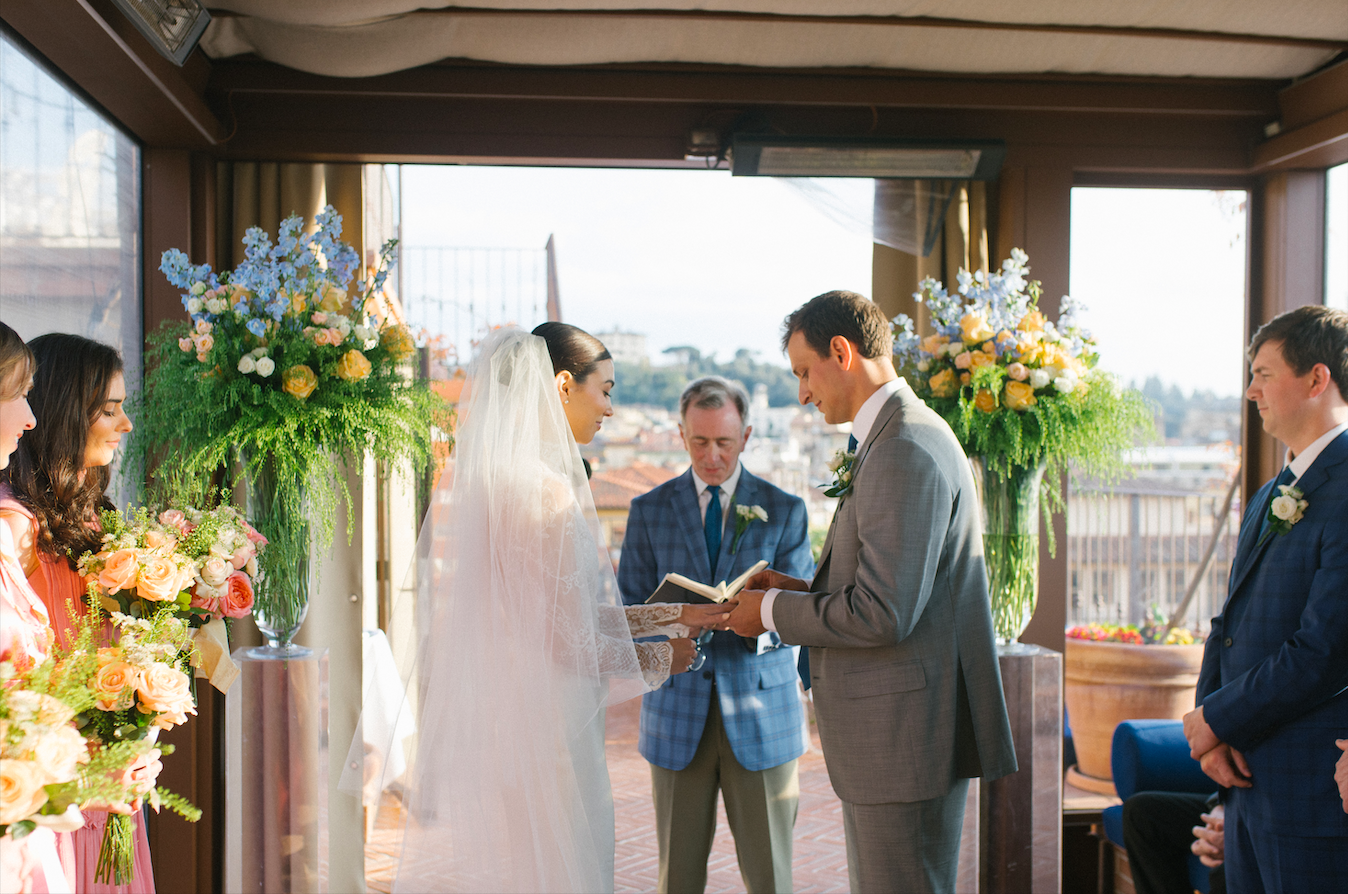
(1214, 39)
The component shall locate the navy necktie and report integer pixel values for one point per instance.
(711, 526)
(1286, 476)
(851, 444)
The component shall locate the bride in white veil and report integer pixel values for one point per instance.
(523, 639)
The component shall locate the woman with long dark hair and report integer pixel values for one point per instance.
(55, 484)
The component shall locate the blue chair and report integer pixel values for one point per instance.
(1153, 756)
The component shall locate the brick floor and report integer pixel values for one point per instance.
(820, 857)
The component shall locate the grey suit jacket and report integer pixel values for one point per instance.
(907, 690)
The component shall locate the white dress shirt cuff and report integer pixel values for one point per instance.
(765, 608)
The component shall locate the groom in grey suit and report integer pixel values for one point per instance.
(907, 690)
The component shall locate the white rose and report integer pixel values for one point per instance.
(251, 567)
(257, 352)
(955, 347)
(194, 305)
(216, 570)
(1284, 507)
(846, 476)
(215, 305)
(923, 365)
(265, 366)
(198, 288)
(760, 513)
(60, 753)
(839, 457)
(1039, 378)
(1065, 383)
(247, 365)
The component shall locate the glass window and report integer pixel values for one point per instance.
(70, 207)
(1336, 237)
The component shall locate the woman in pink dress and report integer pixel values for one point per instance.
(55, 484)
(30, 864)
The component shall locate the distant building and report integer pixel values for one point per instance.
(626, 347)
(614, 491)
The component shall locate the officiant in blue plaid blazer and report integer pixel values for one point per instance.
(1273, 690)
(736, 723)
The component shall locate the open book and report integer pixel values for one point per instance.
(677, 588)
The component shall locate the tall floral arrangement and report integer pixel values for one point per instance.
(292, 365)
(1024, 396)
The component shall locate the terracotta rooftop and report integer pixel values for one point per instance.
(616, 488)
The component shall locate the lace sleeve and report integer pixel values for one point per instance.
(660, 619)
(655, 659)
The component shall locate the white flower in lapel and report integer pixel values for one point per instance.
(1285, 510)
(841, 467)
(744, 516)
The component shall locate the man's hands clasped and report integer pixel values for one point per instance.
(1219, 760)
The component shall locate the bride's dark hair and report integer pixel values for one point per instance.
(70, 388)
(572, 349)
(16, 363)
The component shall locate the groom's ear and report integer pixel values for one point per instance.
(843, 351)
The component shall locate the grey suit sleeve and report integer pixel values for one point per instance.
(903, 505)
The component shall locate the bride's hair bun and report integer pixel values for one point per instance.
(572, 349)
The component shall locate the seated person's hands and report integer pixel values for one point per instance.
(685, 650)
(767, 579)
(702, 616)
(1209, 843)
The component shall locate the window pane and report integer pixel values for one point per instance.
(69, 214)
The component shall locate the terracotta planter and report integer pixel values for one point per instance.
(1108, 683)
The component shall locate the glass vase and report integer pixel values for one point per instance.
(1010, 543)
(281, 596)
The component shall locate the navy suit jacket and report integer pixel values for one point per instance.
(760, 705)
(1275, 667)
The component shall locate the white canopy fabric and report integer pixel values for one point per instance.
(1202, 38)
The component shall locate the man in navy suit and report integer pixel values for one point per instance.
(736, 724)
(1273, 691)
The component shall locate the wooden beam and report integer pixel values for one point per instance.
(1320, 144)
(93, 44)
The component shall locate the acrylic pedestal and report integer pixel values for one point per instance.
(276, 773)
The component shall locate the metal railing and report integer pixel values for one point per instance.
(1131, 547)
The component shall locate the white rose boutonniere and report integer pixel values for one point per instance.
(1285, 510)
(745, 516)
(841, 467)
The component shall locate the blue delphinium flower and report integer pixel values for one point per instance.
(257, 327)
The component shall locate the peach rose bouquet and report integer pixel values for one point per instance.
(1024, 397)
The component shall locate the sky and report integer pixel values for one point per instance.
(701, 258)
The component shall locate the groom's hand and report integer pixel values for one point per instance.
(747, 618)
(767, 579)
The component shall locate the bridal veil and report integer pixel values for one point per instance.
(521, 642)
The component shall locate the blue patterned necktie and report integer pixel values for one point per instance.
(1284, 477)
(851, 444)
(711, 526)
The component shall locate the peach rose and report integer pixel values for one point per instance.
(353, 366)
(205, 343)
(933, 343)
(254, 535)
(160, 579)
(329, 337)
(299, 381)
(173, 517)
(1019, 396)
(333, 299)
(237, 601)
(943, 384)
(140, 777)
(114, 684)
(164, 688)
(980, 359)
(21, 791)
(120, 571)
(1018, 371)
(207, 597)
(1031, 322)
(319, 318)
(985, 400)
(60, 753)
(964, 359)
(974, 325)
(215, 571)
(186, 345)
(398, 342)
(242, 555)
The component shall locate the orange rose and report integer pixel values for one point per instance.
(1019, 395)
(932, 343)
(985, 400)
(974, 325)
(163, 688)
(333, 300)
(237, 601)
(160, 579)
(120, 571)
(21, 790)
(114, 683)
(943, 384)
(964, 378)
(299, 381)
(353, 366)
